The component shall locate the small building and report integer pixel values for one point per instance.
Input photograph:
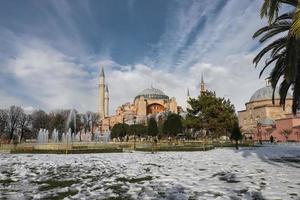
(282, 130)
(260, 108)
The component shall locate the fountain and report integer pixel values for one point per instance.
(69, 136)
(43, 136)
(104, 137)
(54, 136)
(71, 118)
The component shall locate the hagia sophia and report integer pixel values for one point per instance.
(148, 102)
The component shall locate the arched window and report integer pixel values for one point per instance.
(155, 108)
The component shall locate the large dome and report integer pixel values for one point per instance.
(152, 93)
(266, 93)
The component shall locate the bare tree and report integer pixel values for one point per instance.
(94, 121)
(3, 123)
(86, 121)
(58, 119)
(40, 120)
(24, 124)
(13, 118)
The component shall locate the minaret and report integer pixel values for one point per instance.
(202, 85)
(106, 101)
(268, 81)
(188, 98)
(102, 94)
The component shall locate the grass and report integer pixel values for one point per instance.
(51, 184)
(176, 148)
(233, 145)
(70, 151)
(62, 195)
(6, 182)
(135, 180)
(119, 198)
(120, 191)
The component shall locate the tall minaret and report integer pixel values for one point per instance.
(102, 94)
(188, 98)
(268, 81)
(202, 85)
(106, 101)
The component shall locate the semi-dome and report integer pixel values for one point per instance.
(266, 93)
(152, 93)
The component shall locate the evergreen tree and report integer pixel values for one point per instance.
(152, 127)
(173, 125)
(213, 114)
(236, 134)
(120, 130)
(138, 129)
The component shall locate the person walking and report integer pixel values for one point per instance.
(271, 139)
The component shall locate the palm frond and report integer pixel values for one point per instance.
(265, 50)
(285, 25)
(283, 90)
(269, 9)
(276, 73)
(274, 31)
(292, 56)
(290, 2)
(285, 16)
(280, 49)
(295, 28)
(268, 62)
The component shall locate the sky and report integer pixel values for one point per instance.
(51, 51)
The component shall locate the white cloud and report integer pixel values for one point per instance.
(55, 80)
(8, 99)
(51, 77)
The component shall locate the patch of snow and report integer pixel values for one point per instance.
(268, 172)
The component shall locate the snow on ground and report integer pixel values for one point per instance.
(269, 172)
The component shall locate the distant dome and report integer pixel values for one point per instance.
(152, 93)
(266, 93)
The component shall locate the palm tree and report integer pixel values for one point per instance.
(284, 51)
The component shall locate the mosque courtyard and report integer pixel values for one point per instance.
(268, 172)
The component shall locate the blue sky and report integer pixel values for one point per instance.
(51, 51)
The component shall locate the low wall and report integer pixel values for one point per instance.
(112, 147)
(61, 148)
